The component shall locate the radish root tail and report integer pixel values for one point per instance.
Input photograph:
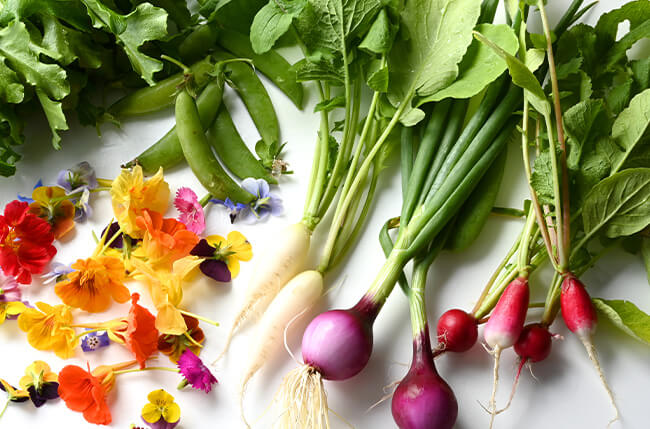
(514, 386)
(493, 403)
(591, 352)
(303, 400)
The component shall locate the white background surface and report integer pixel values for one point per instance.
(565, 394)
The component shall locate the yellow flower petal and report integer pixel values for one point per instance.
(169, 320)
(233, 266)
(238, 244)
(172, 413)
(216, 240)
(151, 413)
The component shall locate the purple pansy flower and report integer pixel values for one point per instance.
(94, 341)
(161, 424)
(195, 372)
(44, 393)
(75, 179)
(215, 268)
(9, 288)
(58, 270)
(265, 203)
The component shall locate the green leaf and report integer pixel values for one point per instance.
(542, 178)
(272, 22)
(380, 36)
(331, 104)
(521, 76)
(55, 117)
(645, 253)
(11, 90)
(619, 205)
(16, 47)
(145, 23)
(630, 127)
(68, 44)
(626, 316)
(435, 34)
(377, 76)
(323, 70)
(585, 122)
(480, 65)
(70, 11)
(641, 73)
(535, 58)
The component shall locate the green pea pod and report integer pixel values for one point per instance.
(198, 43)
(161, 95)
(248, 85)
(167, 151)
(198, 153)
(475, 211)
(232, 150)
(270, 64)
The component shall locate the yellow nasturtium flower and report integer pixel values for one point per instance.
(161, 406)
(48, 328)
(131, 194)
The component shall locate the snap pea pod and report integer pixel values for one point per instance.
(248, 85)
(198, 152)
(198, 43)
(475, 211)
(161, 95)
(232, 150)
(167, 151)
(270, 64)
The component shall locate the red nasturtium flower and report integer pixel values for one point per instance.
(83, 391)
(25, 242)
(140, 335)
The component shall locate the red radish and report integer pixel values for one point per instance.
(534, 343)
(580, 317)
(457, 331)
(504, 327)
(423, 400)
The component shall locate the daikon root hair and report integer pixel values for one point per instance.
(591, 351)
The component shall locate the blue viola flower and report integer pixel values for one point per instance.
(234, 209)
(58, 270)
(29, 200)
(94, 341)
(265, 202)
(81, 176)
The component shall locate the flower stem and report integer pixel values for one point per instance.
(205, 200)
(148, 368)
(192, 340)
(196, 316)
(105, 183)
(2, 413)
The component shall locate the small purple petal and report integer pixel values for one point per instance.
(112, 230)
(81, 176)
(252, 186)
(195, 372)
(203, 249)
(9, 288)
(161, 424)
(94, 341)
(218, 270)
(47, 391)
(58, 270)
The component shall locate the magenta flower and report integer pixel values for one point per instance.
(191, 210)
(9, 288)
(195, 372)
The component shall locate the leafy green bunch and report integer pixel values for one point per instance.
(55, 55)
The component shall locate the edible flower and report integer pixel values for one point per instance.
(140, 335)
(191, 210)
(9, 309)
(222, 255)
(48, 328)
(93, 283)
(9, 288)
(57, 272)
(161, 412)
(94, 340)
(195, 372)
(82, 206)
(174, 345)
(81, 176)
(41, 383)
(29, 199)
(25, 242)
(164, 240)
(233, 208)
(52, 204)
(131, 195)
(265, 202)
(15, 395)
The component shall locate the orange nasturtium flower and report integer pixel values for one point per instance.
(131, 194)
(50, 203)
(93, 283)
(48, 328)
(164, 240)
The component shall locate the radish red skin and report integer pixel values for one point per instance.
(457, 330)
(423, 400)
(338, 343)
(534, 343)
(506, 322)
(578, 311)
